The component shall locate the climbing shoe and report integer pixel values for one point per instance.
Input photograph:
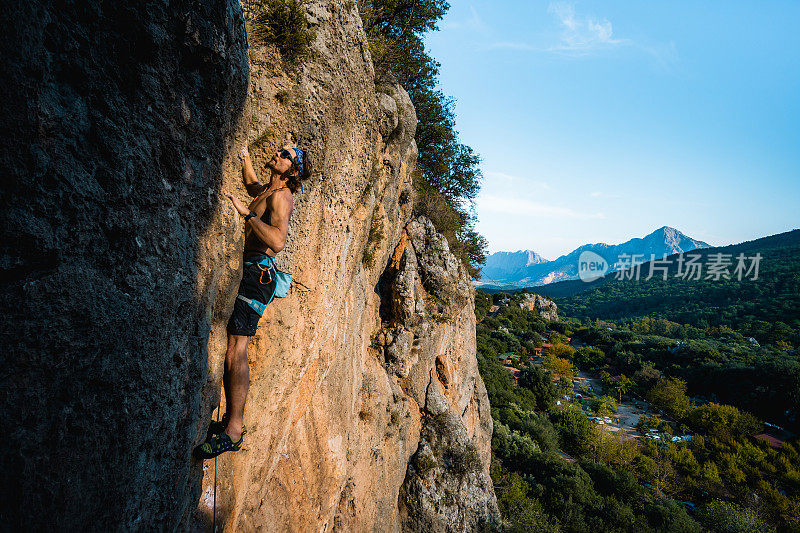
(216, 445)
(214, 428)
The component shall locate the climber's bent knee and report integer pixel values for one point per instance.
(237, 342)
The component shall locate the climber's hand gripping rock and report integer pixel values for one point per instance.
(238, 204)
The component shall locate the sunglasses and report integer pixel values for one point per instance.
(286, 155)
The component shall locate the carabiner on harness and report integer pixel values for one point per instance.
(268, 271)
(264, 265)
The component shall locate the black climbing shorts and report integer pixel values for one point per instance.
(256, 285)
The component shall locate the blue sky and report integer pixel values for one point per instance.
(602, 121)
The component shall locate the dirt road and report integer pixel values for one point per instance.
(628, 412)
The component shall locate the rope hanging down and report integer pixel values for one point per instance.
(214, 512)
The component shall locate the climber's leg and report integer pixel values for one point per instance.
(236, 381)
(226, 375)
(254, 288)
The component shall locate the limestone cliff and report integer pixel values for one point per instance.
(546, 307)
(366, 411)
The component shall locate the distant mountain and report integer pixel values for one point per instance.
(742, 335)
(781, 255)
(756, 306)
(502, 265)
(528, 269)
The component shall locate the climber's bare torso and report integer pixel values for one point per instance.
(268, 206)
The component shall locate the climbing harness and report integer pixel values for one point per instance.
(255, 305)
(283, 280)
(267, 266)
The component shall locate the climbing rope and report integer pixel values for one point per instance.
(214, 512)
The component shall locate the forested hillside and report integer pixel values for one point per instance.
(767, 308)
(644, 426)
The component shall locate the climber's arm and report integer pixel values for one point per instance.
(251, 184)
(274, 234)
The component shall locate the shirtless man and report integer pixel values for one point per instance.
(266, 226)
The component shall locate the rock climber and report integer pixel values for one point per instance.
(266, 226)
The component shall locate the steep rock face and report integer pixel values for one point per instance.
(428, 344)
(446, 488)
(115, 126)
(331, 426)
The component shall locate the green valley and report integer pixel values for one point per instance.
(713, 446)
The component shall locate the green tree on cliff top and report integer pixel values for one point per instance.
(448, 177)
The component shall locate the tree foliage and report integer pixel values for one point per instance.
(725, 516)
(669, 395)
(724, 422)
(575, 430)
(620, 385)
(559, 367)
(540, 383)
(448, 176)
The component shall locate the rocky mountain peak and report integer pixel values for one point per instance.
(507, 268)
(674, 240)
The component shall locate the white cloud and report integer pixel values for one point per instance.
(599, 194)
(581, 35)
(519, 206)
(665, 55)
